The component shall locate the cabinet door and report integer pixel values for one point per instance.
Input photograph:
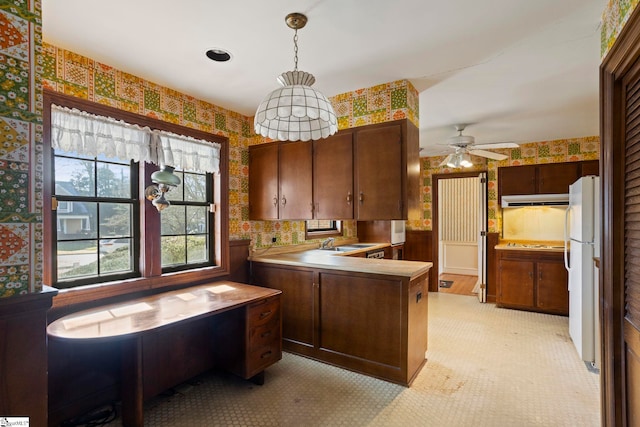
(552, 294)
(555, 178)
(590, 167)
(333, 177)
(297, 300)
(515, 180)
(263, 181)
(516, 283)
(379, 170)
(295, 179)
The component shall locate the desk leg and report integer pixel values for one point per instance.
(132, 386)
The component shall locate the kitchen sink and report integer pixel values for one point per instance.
(348, 248)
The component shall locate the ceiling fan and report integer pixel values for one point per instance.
(465, 146)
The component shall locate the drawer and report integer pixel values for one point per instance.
(264, 335)
(262, 357)
(262, 312)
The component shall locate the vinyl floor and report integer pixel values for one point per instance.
(486, 366)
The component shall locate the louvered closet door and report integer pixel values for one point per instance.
(632, 245)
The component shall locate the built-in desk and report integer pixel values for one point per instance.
(245, 326)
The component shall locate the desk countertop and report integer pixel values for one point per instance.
(139, 315)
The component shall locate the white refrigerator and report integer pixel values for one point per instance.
(582, 244)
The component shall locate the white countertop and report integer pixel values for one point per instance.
(332, 260)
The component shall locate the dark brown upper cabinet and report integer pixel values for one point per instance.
(280, 181)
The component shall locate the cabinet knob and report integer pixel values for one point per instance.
(349, 197)
(361, 197)
(275, 201)
(266, 354)
(531, 275)
(284, 201)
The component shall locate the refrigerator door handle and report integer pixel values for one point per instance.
(566, 238)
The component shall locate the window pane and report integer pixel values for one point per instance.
(77, 259)
(78, 221)
(195, 188)
(115, 256)
(196, 249)
(114, 180)
(172, 220)
(197, 219)
(176, 193)
(115, 220)
(173, 250)
(74, 177)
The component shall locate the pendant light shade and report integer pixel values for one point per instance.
(296, 111)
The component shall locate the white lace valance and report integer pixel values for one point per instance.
(87, 134)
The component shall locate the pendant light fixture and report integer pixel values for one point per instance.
(295, 111)
(163, 181)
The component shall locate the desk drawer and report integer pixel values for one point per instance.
(262, 312)
(264, 335)
(260, 358)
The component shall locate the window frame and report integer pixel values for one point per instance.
(135, 213)
(320, 234)
(151, 274)
(210, 221)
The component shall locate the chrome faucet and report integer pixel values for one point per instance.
(327, 243)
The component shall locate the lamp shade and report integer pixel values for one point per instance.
(165, 176)
(296, 111)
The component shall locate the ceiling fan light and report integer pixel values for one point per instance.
(465, 160)
(454, 161)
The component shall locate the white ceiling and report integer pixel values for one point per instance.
(514, 70)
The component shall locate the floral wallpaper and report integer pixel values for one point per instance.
(20, 148)
(614, 18)
(558, 151)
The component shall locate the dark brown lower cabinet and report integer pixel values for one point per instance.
(532, 280)
(369, 323)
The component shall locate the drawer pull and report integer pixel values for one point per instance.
(265, 334)
(265, 314)
(266, 354)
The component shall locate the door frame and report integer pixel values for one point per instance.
(435, 241)
(619, 61)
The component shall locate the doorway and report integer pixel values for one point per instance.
(459, 230)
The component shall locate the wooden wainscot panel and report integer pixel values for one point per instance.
(492, 266)
(238, 260)
(418, 246)
(23, 355)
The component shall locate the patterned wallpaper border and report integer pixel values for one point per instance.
(614, 18)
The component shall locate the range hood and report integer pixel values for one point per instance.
(535, 200)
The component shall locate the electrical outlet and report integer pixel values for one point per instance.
(273, 239)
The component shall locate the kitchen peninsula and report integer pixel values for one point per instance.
(363, 314)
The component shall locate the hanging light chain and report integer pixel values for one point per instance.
(295, 50)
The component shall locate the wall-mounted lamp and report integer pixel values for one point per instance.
(163, 181)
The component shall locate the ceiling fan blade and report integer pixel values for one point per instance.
(496, 145)
(488, 154)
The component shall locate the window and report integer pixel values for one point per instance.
(101, 229)
(95, 233)
(317, 229)
(186, 224)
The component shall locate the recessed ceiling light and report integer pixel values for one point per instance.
(218, 55)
